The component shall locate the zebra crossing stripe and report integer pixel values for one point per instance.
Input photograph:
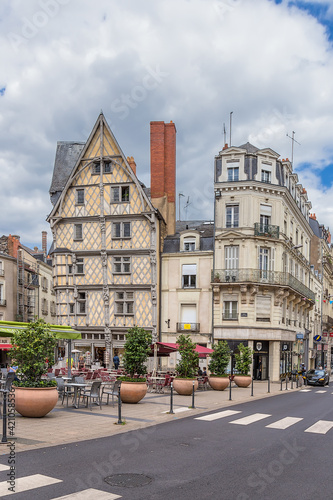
(250, 419)
(284, 423)
(305, 390)
(320, 392)
(27, 483)
(4, 467)
(320, 427)
(220, 414)
(88, 495)
(179, 410)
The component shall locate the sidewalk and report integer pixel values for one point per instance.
(67, 425)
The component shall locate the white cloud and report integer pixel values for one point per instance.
(270, 64)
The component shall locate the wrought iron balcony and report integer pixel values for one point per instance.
(188, 327)
(327, 320)
(260, 276)
(267, 230)
(230, 316)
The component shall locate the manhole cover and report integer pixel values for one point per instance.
(128, 480)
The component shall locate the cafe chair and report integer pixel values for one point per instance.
(93, 394)
(111, 391)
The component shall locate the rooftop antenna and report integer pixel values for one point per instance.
(179, 196)
(230, 126)
(224, 135)
(292, 146)
(188, 203)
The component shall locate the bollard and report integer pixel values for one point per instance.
(230, 390)
(4, 418)
(171, 399)
(292, 382)
(193, 396)
(269, 385)
(281, 384)
(119, 407)
(252, 387)
(297, 381)
(286, 383)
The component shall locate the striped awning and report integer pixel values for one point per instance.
(7, 329)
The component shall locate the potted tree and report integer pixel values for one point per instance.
(137, 349)
(187, 366)
(33, 351)
(219, 379)
(243, 362)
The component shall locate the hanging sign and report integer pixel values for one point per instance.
(317, 338)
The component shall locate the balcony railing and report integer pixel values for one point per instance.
(2, 272)
(188, 327)
(266, 230)
(261, 276)
(327, 320)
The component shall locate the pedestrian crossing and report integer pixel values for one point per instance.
(35, 481)
(319, 427)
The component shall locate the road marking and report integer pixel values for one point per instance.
(284, 423)
(250, 419)
(320, 427)
(179, 410)
(27, 483)
(4, 467)
(305, 390)
(216, 416)
(88, 495)
(320, 392)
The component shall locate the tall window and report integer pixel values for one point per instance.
(78, 233)
(266, 262)
(121, 265)
(120, 194)
(124, 303)
(231, 257)
(265, 218)
(80, 196)
(79, 266)
(121, 229)
(81, 303)
(265, 176)
(96, 168)
(233, 171)
(232, 215)
(230, 310)
(189, 275)
(107, 167)
(2, 269)
(2, 295)
(189, 244)
(263, 308)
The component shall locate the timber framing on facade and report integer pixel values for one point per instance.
(106, 243)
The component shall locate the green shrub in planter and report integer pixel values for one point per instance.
(188, 365)
(219, 359)
(33, 351)
(243, 359)
(137, 349)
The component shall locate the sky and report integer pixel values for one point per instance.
(194, 62)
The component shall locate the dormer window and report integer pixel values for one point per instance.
(189, 244)
(233, 171)
(266, 172)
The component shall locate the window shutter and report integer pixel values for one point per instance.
(263, 307)
(189, 269)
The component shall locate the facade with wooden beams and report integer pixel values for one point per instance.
(107, 238)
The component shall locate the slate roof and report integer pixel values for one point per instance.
(67, 155)
(206, 229)
(250, 149)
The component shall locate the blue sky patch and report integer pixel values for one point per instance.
(2, 91)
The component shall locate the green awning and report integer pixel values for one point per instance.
(7, 328)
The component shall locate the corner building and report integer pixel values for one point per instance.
(107, 237)
(261, 275)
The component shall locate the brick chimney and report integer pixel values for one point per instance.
(163, 171)
(44, 242)
(132, 163)
(13, 245)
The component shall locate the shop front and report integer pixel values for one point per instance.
(260, 359)
(286, 359)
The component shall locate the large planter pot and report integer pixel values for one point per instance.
(132, 392)
(218, 383)
(35, 402)
(184, 386)
(242, 380)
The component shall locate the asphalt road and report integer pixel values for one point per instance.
(193, 458)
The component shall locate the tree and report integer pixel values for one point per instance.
(137, 349)
(220, 358)
(33, 351)
(187, 366)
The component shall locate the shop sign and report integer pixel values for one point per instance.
(325, 347)
(325, 334)
(243, 315)
(187, 326)
(299, 336)
(258, 346)
(285, 347)
(318, 347)
(331, 334)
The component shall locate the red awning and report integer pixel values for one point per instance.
(5, 347)
(165, 348)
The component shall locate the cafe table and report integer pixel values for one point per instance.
(76, 387)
